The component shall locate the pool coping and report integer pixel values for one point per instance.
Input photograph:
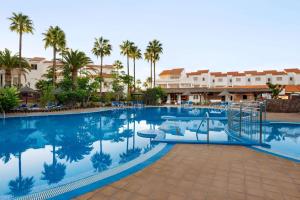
(82, 186)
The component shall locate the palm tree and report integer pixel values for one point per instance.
(135, 54)
(126, 48)
(20, 24)
(55, 38)
(101, 48)
(156, 49)
(9, 62)
(75, 60)
(148, 57)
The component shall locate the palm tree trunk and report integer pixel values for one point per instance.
(54, 66)
(133, 139)
(128, 89)
(53, 155)
(20, 56)
(101, 74)
(20, 165)
(154, 74)
(7, 77)
(151, 74)
(100, 136)
(134, 74)
(74, 78)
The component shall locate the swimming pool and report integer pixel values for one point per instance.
(43, 152)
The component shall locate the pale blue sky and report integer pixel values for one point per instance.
(220, 35)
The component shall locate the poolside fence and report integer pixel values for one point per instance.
(246, 119)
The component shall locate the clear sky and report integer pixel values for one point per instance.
(220, 35)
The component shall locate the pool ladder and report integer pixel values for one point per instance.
(207, 126)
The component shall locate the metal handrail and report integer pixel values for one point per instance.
(207, 118)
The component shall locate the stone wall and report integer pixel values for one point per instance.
(283, 106)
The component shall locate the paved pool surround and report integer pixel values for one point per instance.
(209, 172)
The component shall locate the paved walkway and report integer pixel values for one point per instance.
(209, 172)
(287, 117)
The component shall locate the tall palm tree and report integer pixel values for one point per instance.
(8, 62)
(20, 24)
(135, 54)
(101, 48)
(55, 37)
(126, 48)
(156, 49)
(75, 60)
(148, 56)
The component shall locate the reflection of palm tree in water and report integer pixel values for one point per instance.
(133, 153)
(275, 134)
(76, 143)
(101, 161)
(21, 185)
(54, 172)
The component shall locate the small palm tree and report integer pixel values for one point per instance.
(8, 62)
(20, 24)
(55, 37)
(101, 48)
(276, 89)
(155, 47)
(75, 60)
(135, 54)
(126, 48)
(148, 56)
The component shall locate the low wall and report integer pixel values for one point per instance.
(283, 106)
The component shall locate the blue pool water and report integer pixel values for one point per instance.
(38, 153)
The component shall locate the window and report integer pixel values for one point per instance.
(278, 78)
(244, 97)
(291, 78)
(269, 79)
(257, 79)
(238, 79)
(230, 80)
(249, 79)
(203, 79)
(213, 80)
(220, 80)
(195, 78)
(33, 66)
(196, 97)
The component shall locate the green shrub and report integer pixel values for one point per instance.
(47, 96)
(153, 95)
(9, 98)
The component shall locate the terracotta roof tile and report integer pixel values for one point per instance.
(292, 70)
(199, 72)
(215, 73)
(176, 71)
(292, 88)
(37, 59)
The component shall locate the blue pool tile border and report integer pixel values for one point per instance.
(116, 177)
(274, 154)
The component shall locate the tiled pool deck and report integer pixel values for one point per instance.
(209, 172)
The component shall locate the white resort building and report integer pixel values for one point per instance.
(39, 67)
(203, 85)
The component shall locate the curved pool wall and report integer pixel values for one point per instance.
(82, 186)
(27, 145)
